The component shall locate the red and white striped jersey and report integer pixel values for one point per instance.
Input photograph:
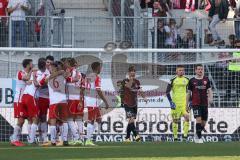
(31, 88)
(20, 86)
(73, 88)
(43, 89)
(92, 83)
(57, 92)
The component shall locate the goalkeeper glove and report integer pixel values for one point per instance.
(173, 106)
(189, 107)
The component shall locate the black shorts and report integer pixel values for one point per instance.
(200, 111)
(131, 112)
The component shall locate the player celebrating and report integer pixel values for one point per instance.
(92, 94)
(178, 86)
(76, 112)
(200, 91)
(128, 92)
(29, 108)
(22, 77)
(43, 98)
(49, 61)
(58, 110)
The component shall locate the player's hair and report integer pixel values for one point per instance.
(198, 65)
(63, 59)
(57, 64)
(131, 69)
(180, 66)
(26, 62)
(95, 65)
(72, 62)
(49, 57)
(41, 63)
(67, 60)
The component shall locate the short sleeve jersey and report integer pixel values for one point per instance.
(92, 84)
(129, 95)
(20, 86)
(199, 88)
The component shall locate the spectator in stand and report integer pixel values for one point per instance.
(161, 34)
(159, 10)
(218, 12)
(160, 7)
(173, 38)
(3, 23)
(39, 21)
(237, 21)
(146, 4)
(233, 42)
(208, 38)
(190, 6)
(17, 10)
(176, 4)
(188, 41)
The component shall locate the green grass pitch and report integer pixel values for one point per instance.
(126, 151)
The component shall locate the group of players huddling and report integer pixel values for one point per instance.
(59, 92)
(56, 88)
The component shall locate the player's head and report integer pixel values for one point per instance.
(56, 66)
(27, 64)
(96, 67)
(180, 71)
(67, 62)
(72, 62)
(132, 71)
(199, 70)
(63, 59)
(42, 64)
(60, 65)
(49, 60)
(53, 67)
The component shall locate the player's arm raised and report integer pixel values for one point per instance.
(54, 75)
(25, 77)
(73, 77)
(129, 84)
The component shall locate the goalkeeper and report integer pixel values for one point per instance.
(177, 101)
